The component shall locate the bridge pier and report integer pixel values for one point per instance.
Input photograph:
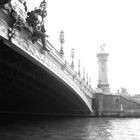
(98, 103)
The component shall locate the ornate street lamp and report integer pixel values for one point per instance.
(61, 38)
(43, 7)
(84, 73)
(89, 82)
(72, 56)
(79, 65)
(87, 78)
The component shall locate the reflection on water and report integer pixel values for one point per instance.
(70, 129)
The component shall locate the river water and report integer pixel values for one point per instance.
(70, 129)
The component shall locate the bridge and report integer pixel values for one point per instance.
(38, 83)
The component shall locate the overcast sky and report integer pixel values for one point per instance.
(87, 25)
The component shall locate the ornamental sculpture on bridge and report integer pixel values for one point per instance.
(35, 20)
(32, 22)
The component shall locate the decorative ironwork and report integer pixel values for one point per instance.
(61, 38)
(72, 56)
(79, 65)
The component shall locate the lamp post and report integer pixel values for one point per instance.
(72, 56)
(43, 6)
(79, 65)
(61, 38)
(84, 73)
(87, 78)
(89, 82)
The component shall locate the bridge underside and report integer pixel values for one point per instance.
(27, 88)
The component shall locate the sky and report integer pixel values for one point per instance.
(87, 24)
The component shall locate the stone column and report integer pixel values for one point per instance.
(103, 77)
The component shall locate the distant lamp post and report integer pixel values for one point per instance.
(61, 38)
(79, 65)
(72, 56)
(87, 78)
(89, 82)
(84, 73)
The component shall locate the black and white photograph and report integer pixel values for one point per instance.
(69, 70)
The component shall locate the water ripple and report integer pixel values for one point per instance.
(72, 129)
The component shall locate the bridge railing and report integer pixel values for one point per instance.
(84, 87)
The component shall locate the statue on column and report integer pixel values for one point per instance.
(102, 48)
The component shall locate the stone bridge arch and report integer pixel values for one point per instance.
(38, 83)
